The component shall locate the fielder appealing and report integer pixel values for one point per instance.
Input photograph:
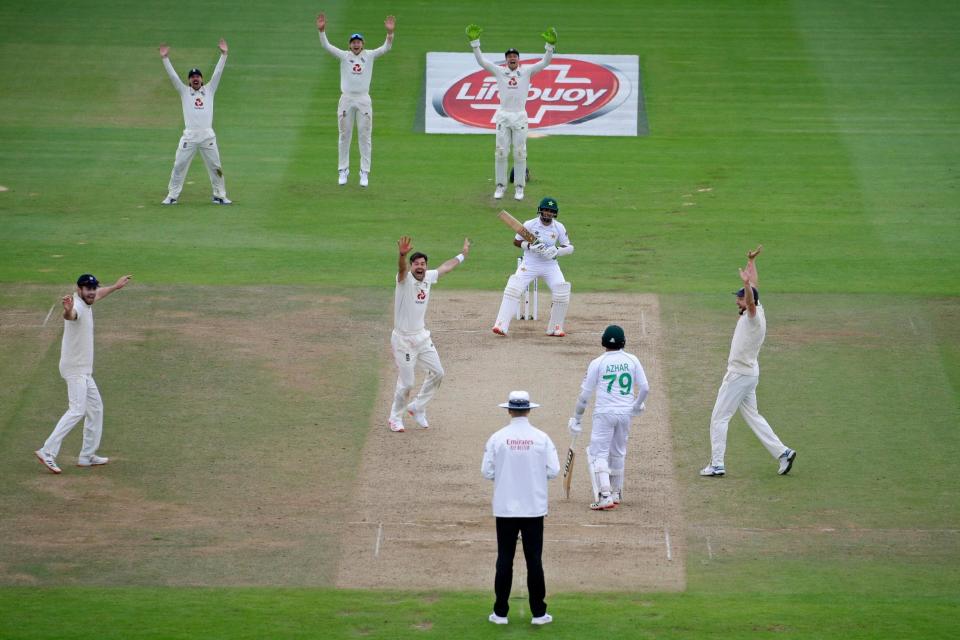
(76, 368)
(739, 387)
(539, 261)
(520, 458)
(410, 339)
(197, 102)
(356, 71)
(513, 85)
(620, 386)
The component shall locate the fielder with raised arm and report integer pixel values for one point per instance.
(739, 387)
(620, 385)
(356, 71)
(410, 339)
(513, 85)
(539, 261)
(196, 98)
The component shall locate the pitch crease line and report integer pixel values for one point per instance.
(45, 320)
(376, 547)
(666, 535)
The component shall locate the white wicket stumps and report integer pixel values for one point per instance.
(523, 310)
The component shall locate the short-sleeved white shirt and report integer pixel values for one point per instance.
(553, 234)
(520, 459)
(745, 346)
(76, 349)
(410, 300)
(616, 376)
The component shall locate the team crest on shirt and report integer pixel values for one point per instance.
(357, 67)
(198, 103)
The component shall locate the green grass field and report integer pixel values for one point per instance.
(830, 132)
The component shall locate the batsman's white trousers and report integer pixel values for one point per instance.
(608, 435)
(408, 352)
(511, 131)
(526, 273)
(85, 404)
(739, 391)
(357, 107)
(186, 149)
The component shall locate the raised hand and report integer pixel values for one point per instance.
(753, 254)
(474, 31)
(67, 303)
(122, 282)
(466, 246)
(321, 22)
(390, 23)
(404, 244)
(164, 51)
(550, 36)
(222, 45)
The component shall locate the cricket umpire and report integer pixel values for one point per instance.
(520, 458)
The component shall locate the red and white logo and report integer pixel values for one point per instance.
(357, 68)
(568, 91)
(421, 295)
(198, 103)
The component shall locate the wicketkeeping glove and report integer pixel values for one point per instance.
(550, 35)
(474, 31)
(574, 426)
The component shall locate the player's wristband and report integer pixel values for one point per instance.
(460, 257)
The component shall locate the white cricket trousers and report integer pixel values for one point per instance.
(85, 404)
(408, 353)
(739, 391)
(359, 108)
(511, 131)
(526, 273)
(186, 149)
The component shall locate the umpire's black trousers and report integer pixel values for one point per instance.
(532, 531)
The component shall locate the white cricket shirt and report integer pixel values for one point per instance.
(355, 71)
(520, 459)
(619, 381)
(745, 346)
(553, 234)
(76, 350)
(410, 300)
(513, 86)
(197, 105)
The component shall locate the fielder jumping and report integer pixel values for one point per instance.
(539, 261)
(197, 102)
(410, 339)
(739, 388)
(356, 71)
(513, 85)
(620, 385)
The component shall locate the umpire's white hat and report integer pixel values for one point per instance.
(519, 401)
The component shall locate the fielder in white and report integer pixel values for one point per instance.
(539, 261)
(620, 385)
(513, 85)
(196, 98)
(356, 71)
(739, 388)
(76, 368)
(410, 340)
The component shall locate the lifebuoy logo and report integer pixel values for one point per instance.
(567, 91)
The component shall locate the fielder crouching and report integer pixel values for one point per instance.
(539, 261)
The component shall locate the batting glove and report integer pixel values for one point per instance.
(574, 426)
(549, 252)
(550, 36)
(474, 31)
(639, 410)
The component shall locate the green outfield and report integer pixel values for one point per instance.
(239, 368)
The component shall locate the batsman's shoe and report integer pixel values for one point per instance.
(713, 470)
(92, 461)
(420, 417)
(169, 200)
(364, 178)
(47, 460)
(223, 200)
(786, 461)
(497, 330)
(544, 619)
(498, 192)
(605, 503)
(556, 332)
(518, 193)
(395, 425)
(342, 177)
(495, 619)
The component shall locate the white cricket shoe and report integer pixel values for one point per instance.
(605, 503)
(364, 178)
(498, 192)
(495, 619)
(616, 497)
(497, 330)
(223, 200)
(713, 470)
(545, 618)
(556, 332)
(169, 200)
(395, 425)
(518, 193)
(786, 461)
(419, 416)
(92, 461)
(47, 460)
(342, 177)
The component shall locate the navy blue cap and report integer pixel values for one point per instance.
(509, 51)
(742, 292)
(356, 36)
(194, 72)
(88, 280)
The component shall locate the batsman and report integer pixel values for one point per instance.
(549, 242)
(620, 384)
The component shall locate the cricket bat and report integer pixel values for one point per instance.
(517, 226)
(568, 467)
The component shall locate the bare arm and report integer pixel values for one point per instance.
(103, 292)
(404, 245)
(69, 313)
(454, 262)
